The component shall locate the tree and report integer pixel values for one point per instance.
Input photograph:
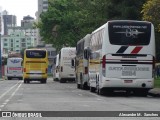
(151, 12)
(68, 21)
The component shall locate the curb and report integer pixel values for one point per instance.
(155, 92)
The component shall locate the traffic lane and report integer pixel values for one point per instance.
(57, 87)
(10, 88)
(66, 97)
(116, 102)
(57, 96)
(6, 84)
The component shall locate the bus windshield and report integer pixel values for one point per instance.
(14, 62)
(35, 54)
(129, 33)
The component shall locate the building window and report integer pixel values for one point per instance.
(5, 44)
(23, 44)
(23, 40)
(11, 44)
(45, 2)
(5, 40)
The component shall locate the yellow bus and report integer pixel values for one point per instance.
(35, 65)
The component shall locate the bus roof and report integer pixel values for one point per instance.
(105, 25)
(15, 58)
(36, 49)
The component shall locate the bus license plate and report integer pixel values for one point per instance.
(128, 81)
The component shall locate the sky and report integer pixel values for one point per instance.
(20, 8)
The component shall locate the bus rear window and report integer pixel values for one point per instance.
(129, 33)
(35, 54)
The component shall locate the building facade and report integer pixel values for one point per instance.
(42, 6)
(8, 21)
(27, 27)
(27, 21)
(16, 41)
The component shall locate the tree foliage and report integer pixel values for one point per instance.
(151, 12)
(67, 21)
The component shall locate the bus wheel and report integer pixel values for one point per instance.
(84, 86)
(100, 91)
(61, 81)
(44, 80)
(142, 93)
(25, 81)
(9, 78)
(28, 81)
(92, 89)
(78, 86)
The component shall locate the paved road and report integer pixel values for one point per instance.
(55, 96)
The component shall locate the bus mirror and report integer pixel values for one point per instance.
(72, 62)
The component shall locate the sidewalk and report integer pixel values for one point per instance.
(155, 92)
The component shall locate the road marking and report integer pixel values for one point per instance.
(99, 99)
(7, 100)
(16, 90)
(8, 90)
(80, 94)
(2, 106)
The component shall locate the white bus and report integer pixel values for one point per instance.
(66, 71)
(14, 68)
(122, 57)
(56, 71)
(82, 62)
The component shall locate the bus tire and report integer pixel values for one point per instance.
(142, 93)
(62, 80)
(100, 91)
(9, 78)
(25, 81)
(92, 89)
(44, 80)
(85, 86)
(78, 86)
(28, 81)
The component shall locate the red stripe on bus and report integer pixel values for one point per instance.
(136, 50)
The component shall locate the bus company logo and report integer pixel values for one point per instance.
(15, 61)
(131, 33)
